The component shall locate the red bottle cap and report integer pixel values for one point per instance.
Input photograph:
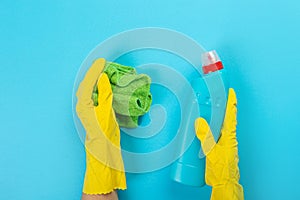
(211, 62)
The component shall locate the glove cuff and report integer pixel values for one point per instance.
(102, 179)
(228, 191)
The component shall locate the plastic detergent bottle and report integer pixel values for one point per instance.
(210, 94)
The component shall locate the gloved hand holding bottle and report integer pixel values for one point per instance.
(222, 171)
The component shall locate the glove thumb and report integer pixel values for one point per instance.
(205, 135)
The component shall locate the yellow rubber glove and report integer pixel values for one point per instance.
(104, 164)
(222, 171)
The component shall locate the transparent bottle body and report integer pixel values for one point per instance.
(210, 95)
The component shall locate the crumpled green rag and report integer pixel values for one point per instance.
(131, 93)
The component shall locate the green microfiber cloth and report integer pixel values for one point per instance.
(131, 93)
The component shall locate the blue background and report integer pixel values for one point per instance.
(44, 42)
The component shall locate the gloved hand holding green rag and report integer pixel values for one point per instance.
(131, 93)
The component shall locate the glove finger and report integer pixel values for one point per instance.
(104, 111)
(205, 135)
(105, 95)
(228, 131)
(84, 92)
